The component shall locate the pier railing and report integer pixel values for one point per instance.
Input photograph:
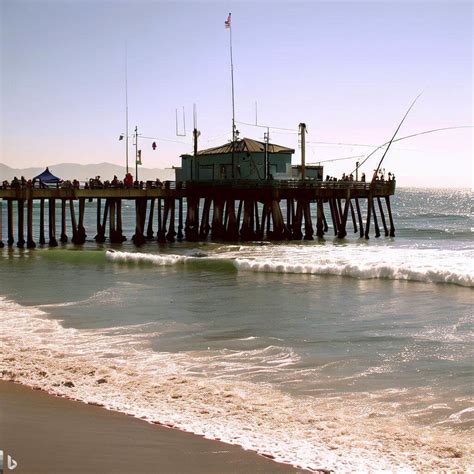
(230, 210)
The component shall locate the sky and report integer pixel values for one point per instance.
(348, 69)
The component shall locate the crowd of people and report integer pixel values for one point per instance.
(378, 176)
(93, 183)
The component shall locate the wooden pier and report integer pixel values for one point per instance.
(223, 210)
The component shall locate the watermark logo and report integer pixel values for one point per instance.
(10, 462)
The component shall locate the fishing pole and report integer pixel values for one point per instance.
(393, 138)
(411, 136)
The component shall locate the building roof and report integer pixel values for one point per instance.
(246, 144)
(47, 177)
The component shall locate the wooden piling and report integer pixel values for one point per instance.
(354, 222)
(52, 222)
(333, 215)
(162, 224)
(42, 240)
(112, 227)
(343, 216)
(11, 236)
(120, 236)
(1, 225)
(72, 212)
(149, 230)
(161, 231)
(170, 236)
(205, 227)
(30, 243)
(389, 210)
(376, 224)
(21, 223)
(369, 212)
(81, 231)
(180, 234)
(298, 221)
(63, 237)
(308, 224)
(382, 216)
(359, 216)
(319, 219)
(217, 227)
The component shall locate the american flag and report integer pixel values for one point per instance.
(227, 22)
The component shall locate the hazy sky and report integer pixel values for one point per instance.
(348, 69)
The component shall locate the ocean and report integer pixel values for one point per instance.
(350, 355)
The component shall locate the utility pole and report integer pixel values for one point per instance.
(266, 137)
(136, 153)
(357, 171)
(126, 108)
(302, 127)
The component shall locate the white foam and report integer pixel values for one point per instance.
(357, 261)
(138, 257)
(363, 262)
(343, 434)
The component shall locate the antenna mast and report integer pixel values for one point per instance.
(228, 25)
(126, 107)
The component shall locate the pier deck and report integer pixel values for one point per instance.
(219, 210)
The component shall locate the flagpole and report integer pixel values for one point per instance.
(136, 153)
(233, 100)
(126, 108)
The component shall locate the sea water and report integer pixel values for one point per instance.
(347, 355)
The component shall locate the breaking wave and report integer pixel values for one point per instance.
(430, 266)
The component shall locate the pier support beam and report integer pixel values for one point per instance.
(319, 219)
(354, 222)
(308, 223)
(334, 219)
(298, 221)
(217, 226)
(1, 225)
(204, 228)
(30, 243)
(369, 212)
(191, 226)
(42, 240)
(11, 237)
(21, 223)
(359, 216)
(81, 231)
(180, 234)
(63, 237)
(149, 230)
(389, 210)
(52, 222)
(140, 216)
(171, 234)
(382, 216)
(232, 230)
(376, 224)
(247, 229)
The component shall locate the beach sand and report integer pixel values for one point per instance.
(47, 434)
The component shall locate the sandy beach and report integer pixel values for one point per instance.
(47, 434)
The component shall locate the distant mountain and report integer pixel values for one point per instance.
(84, 172)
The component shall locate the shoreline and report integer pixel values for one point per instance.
(47, 433)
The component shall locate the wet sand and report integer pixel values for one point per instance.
(47, 434)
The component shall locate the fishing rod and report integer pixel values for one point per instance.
(393, 138)
(411, 136)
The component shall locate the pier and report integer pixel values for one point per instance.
(225, 210)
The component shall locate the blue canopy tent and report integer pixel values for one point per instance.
(47, 177)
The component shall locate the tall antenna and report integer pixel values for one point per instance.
(126, 107)
(228, 25)
(184, 124)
